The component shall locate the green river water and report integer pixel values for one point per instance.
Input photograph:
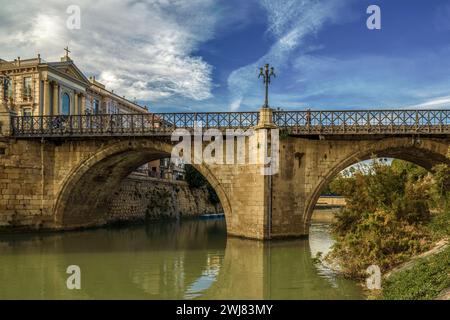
(190, 259)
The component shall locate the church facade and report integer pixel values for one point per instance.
(33, 87)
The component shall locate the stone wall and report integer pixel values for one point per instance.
(71, 183)
(141, 197)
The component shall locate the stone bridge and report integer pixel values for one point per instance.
(60, 172)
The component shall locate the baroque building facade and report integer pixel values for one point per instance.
(33, 87)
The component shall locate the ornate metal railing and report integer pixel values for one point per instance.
(293, 122)
(127, 124)
(364, 122)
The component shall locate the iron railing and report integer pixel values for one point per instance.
(127, 124)
(364, 122)
(293, 122)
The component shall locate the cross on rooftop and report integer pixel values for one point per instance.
(66, 49)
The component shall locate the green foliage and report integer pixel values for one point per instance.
(440, 224)
(404, 167)
(387, 216)
(196, 180)
(328, 191)
(424, 281)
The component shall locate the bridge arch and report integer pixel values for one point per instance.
(423, 152)
(84, 195)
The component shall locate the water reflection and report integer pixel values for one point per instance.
(172, 260)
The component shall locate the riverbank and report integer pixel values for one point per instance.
(326, 209)
(425, 277)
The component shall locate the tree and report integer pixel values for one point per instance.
(386, 216)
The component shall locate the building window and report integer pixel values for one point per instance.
(7, 88)
(96, 106)
(27, 87)
(65, 104)
(112, 108)
(26, 112)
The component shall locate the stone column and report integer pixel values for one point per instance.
(83, 104)
(259, 179)
(2, 91)
(46, 98)
(75, 107)
(265, 119)
(55, 98)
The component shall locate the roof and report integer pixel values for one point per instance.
(69, 67)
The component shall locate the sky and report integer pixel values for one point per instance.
(204, 55)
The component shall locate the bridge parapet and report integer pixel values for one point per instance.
(351, 122)
(151, 124)
(396, 122)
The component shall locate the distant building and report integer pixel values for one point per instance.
(172, 170)
(163, 169)
(34, 87)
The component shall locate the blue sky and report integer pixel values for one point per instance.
(203, 55)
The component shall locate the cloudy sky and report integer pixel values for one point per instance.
(203, 55)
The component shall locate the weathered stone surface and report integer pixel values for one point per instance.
(60, 184)
(145, 198)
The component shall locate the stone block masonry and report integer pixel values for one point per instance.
(146, 198)
(62, 184)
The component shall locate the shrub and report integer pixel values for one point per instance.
(387, 215)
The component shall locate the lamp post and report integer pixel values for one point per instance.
(4, 78)
(266, 73)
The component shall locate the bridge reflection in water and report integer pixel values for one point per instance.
(172, 260)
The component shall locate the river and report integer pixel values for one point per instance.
(190, 259)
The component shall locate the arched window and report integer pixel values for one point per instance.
(65, 104)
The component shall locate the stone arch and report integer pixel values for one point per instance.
(423, 152)
(83, 197)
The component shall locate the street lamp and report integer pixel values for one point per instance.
(267, 73)
(5, 80)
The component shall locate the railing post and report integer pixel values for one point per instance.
(380, 122)
(153, 126)
(417, 120)
(392, 121)
(320, 121)
(195, 120)
(174, 122)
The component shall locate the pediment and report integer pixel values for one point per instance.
(70, 69)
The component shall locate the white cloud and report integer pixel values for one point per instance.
(436, 103)
(374, 80)
(142, 49)
(289, 23)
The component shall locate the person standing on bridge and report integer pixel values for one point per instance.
(308, 118)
